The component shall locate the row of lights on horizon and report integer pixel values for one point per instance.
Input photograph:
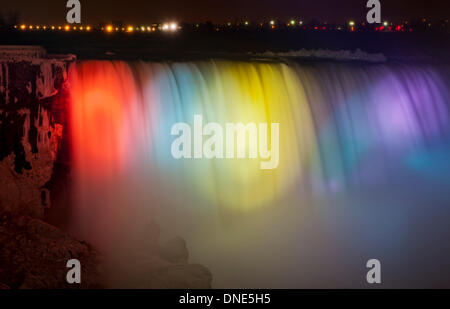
(163, 27)
(108, 28)
(66, 27)
(174, 26)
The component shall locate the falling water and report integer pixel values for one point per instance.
(351, 136)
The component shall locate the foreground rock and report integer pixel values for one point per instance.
(157, 266)
(174, 251)
(33, 255)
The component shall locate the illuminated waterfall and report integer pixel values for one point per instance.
(342, 127)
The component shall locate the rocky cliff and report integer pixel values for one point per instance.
(30, 80)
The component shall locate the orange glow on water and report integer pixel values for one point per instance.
(101, 105)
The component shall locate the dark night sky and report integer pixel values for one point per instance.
(145, 11)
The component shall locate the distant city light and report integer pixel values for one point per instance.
(171, 27)
(299, 25)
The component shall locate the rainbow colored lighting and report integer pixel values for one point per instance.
(337, 132)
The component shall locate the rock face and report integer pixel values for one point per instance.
(33, 255)
(175, 251)
(29, 133)
(189, 276)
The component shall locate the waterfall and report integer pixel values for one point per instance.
(344, 129)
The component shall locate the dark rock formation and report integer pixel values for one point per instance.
(33, 255)
(29, 134)
(188, 276)
(174, 251)
(151, 265)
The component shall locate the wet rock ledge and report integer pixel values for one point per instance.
(31, 85)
